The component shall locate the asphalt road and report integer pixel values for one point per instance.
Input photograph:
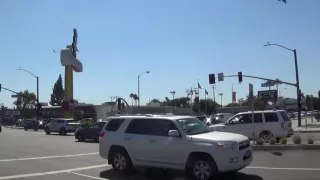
(35, 156)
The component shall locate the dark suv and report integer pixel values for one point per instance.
(31, 124)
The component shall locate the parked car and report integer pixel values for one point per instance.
(91, 132)
(61, 126)
(30, 124)
(172, 142)
(43, 123)
(220, 118)
(268, 123)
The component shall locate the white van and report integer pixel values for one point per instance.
(266, 123)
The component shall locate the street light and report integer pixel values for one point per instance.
(21, 69)
(173, 93)
(297, 78)
(232, 96)
(221, 94)
(146, 72)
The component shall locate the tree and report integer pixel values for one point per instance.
(57, 95)
(26, 100)
(211, 106)
(234, 104)
(155, 101)
(134, 97)
(178, 102)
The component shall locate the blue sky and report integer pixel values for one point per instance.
(179, 41)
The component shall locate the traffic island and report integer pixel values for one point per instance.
(275, 147)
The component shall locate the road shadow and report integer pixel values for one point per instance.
(160, 174)
(87, 141)
(241, 176)
(57, 134)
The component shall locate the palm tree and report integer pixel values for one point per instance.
(131, 96)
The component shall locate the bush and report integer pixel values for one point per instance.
(310, 140)
(259, 141)
(296, 139)
(283, 140)
(272, 141)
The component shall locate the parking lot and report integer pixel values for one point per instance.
(33, 155)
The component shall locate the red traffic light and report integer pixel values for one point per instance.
(212, 79)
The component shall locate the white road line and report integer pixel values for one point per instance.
(292, 169)
(47, 157)
(52, 172)
(84, 175)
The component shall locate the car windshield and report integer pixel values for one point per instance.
(192, 126)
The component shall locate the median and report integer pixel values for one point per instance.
(296, 142)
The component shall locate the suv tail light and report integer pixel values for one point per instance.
(283, 125)
(101, 134)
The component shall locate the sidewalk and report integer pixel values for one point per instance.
(307, 125)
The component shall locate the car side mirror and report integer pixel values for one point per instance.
(173, 133)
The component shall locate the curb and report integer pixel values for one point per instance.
(306, 131)
(286, 147)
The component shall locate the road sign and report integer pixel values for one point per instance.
(268, 84)
(220, 77)
(234, 97)
(250, 90)
(269, 95)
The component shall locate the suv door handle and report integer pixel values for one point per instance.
(127, 139)
(152, 141)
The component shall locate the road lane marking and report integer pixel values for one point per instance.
(47, 157)
(276, 168)
(84, 175)
(52, 172)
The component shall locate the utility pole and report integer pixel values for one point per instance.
(173, 93)
(221, 94)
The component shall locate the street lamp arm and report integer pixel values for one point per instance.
(268, 44)
(143, 73)
(20, 69)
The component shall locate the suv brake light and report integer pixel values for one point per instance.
(101, 134)
(283, 125)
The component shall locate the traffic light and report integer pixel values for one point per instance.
(240, 76)
(39, 108)
(212, 79)
(0, 87)
(119, 104)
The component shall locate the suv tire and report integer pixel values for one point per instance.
(80, 138)
(47, 131)
(62, 131)
(201, 168)
(121, 161)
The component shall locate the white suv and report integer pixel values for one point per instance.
(62, 126)
(268, 123)
(172, 142)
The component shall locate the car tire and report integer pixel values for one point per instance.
(25, 129)
(81, 138)
(35, 129)
(63, 131)
(47, 131)
(121, 162)
(201, 168)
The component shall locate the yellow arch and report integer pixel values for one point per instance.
(116, 103)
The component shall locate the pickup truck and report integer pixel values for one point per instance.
(62, 126)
